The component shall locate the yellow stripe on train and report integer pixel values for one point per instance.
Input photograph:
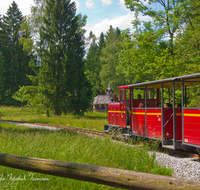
(139, 113)
(190, 114)
(143, 113)
(111, 111)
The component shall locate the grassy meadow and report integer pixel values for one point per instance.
(66, 146)
(90, 120)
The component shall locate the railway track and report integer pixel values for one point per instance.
(176, 153)
(80, 130)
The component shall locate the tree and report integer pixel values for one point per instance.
(20, 95)
(101, 43)
(166, 18)
(138, 52)
(155, 50)
(188, 40)
(1, 32)
(16, 60)
(26, 38)
(2, 70)
(109, 60)
(60, 78)
(93, 65)
(37, 13)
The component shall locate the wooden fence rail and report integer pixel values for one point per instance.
(97, 174)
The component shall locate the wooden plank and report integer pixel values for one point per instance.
(97, 174)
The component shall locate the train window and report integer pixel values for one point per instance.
(151, 93)
(122, 96)
(192, 98)
(138, 94)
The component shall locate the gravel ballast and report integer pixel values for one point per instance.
(185, 168)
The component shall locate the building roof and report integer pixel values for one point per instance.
(109, 87)
(101, 99)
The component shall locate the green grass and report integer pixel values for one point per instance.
(94, 120)
(71, 147)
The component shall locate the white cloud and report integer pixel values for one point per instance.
(89, 3)
(122, 2)
(122, 22)
(106, 2)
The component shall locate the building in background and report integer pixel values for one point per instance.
(100, 102)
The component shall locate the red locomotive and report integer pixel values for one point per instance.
(141, 111)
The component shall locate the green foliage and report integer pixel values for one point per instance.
(166, 19)
(60, 80)
(188, 41)
(193, 96)
(138, 53)
(109, 60)
(14, 60)
(167, 45)
(20, 95)
(148, 54)
(26, 39)
(93, 65)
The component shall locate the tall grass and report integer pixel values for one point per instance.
(71, 147)
(94, 120)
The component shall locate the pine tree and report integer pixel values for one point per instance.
(109, 59)
(101, 43)
(1, 33)
(61, 78)
(16, 60)
(93, 66)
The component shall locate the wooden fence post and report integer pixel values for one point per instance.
(97, 174)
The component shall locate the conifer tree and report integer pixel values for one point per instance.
(15, 62)
(93, 66)
(109, 59)
(101, 41)
(1, 33)
(61, 78)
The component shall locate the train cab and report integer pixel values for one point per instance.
(118, 112)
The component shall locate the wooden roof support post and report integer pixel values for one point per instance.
(97, 174)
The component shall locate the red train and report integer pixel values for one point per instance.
(142, 111)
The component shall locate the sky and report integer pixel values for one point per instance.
(100, 13)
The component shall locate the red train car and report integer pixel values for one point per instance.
(141, 111)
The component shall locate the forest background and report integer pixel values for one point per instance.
(44, 60)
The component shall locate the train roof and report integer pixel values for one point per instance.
(189, 80)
